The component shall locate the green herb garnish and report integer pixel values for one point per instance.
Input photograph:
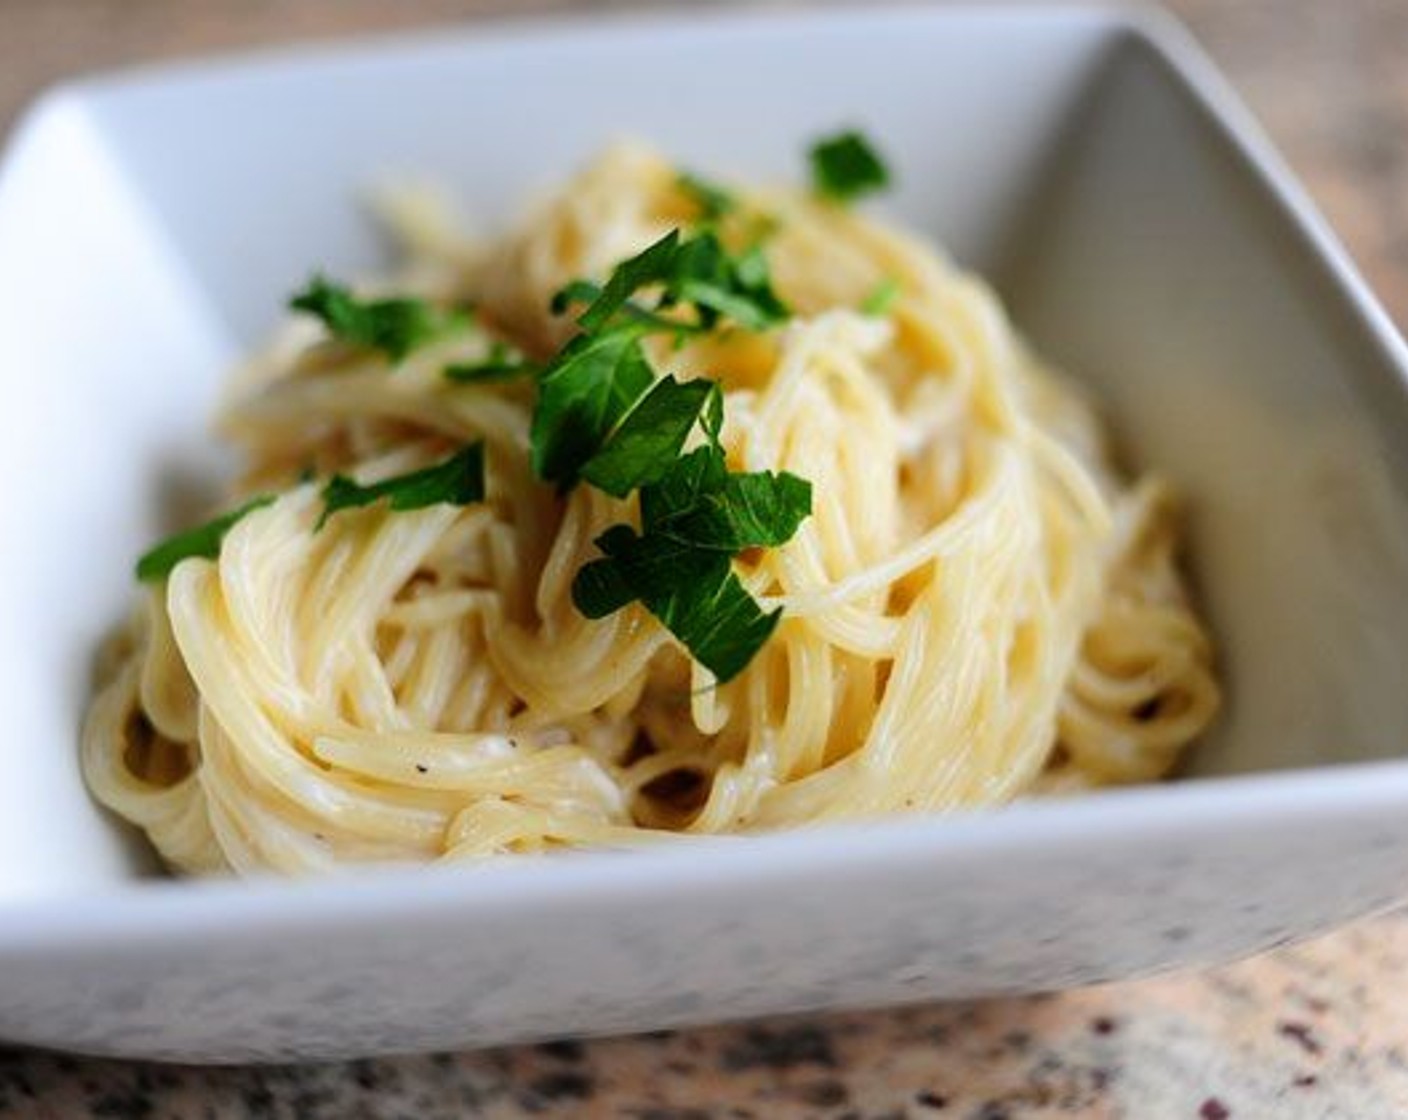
(602, 417)
(598, 377)
(457, 480)
(722, 285)
(646, 443)
(881, 297)
(701, 503)
(692, 591)
(698, 271)
(586, 292)
(503, 363)
(696, 515)
(712, 200)
(652, 265)
(203, 540)
(393, 326)
(845, 167)
(591, 384)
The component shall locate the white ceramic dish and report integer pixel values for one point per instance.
(1087, 159)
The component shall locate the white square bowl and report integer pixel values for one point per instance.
(1144, 235)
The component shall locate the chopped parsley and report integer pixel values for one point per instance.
(591, 384)
(692, 591)
(845, 167)
(720, 284)
(602, 417)
(646, 443)
(457, 480)
(701, 503)
(503, 363)
(393, 326)
(584, 291)
(203, 540)
(601, 374)
(655, 264)
(696, 515)
(881, 297)
(699, 271)
(713, 201)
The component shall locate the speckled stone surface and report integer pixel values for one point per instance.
(1314, 1032)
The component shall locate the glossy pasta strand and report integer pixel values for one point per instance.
(980, 606)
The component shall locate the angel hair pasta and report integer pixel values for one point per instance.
(680, 509)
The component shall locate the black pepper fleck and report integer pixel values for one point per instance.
(1104, 1025)
(1305, 1081)
(1214, 1109)
(930, 1099)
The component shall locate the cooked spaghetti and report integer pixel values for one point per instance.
(978, 607)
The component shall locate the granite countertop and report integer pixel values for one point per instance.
(1315, 1031)
(1319, 1031)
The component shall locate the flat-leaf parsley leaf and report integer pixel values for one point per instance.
(712, 200)
(700, 502)
(647, 441)
(202, 540)
(503, 363)
(585, 390)
(393, 326)
(457, 480)
(693, 592)
(845, 167)
(699, 271)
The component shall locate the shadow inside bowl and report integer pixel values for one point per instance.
(1220, 343)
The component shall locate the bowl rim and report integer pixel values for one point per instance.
(131, 914)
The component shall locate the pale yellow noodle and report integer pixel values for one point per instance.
(979, 606)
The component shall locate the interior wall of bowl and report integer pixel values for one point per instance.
(261, 170)
(1151, 266)
(152, 226)
(110, 362)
